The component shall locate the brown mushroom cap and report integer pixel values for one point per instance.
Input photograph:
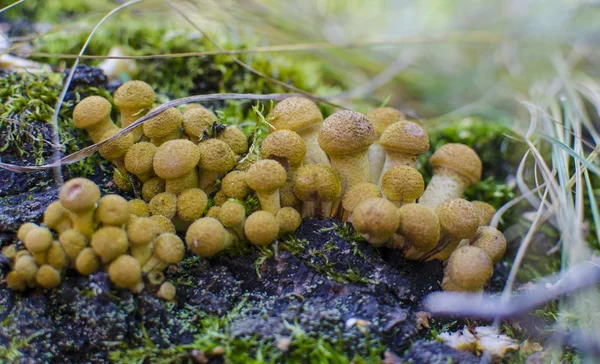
(134, 95)
(491, 241)
(169, 248)
(197, 119)
(460, 159)
(265, 175)
(164, 204)
(139, 158)
(38, 240)
(382, 117)
(235, 138)
(289, 219)
(376, 219)
(485, 211)
(402, 183)
(109, 242)
(317, 182)
(261, 228)
(420, 226)
(113, 210)
(142, 231)
(191, 204)
(284, 146)
(234, 185)
(91, 112)
(405, 137)
(175, 158)
(358, 193)
(79, 194)
(469, 268)
(216, 156)
(125, 271)
(206, 237)
(346, 132)
(295, 113)
(458, 218)
(163, 124)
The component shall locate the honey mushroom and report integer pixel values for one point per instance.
(133, 98)
(381, 118)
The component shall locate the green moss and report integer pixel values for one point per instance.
(12, 353)
(56, 11)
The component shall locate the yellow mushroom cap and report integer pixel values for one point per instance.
(216, 156)
(115, 148)
(485, 211)
(346, 132)
(109, 242)
(48, 277)
(169, 248)
(164, 204)
(73, 242)
(14, 282)
(382, 117)
(234, 185)
(197, 119)
(142, 230)
(458, 218)
(167, 291)
(55, 214)
(376, 219)
(125, 271)
(139, 158)
(113, 210)
(232, 214)
(57, 256)
(289, 219)
(153, 187)
(134, 95)
(295, 113)
(282, 145)
(287, 197)
(235, 138)
(261, 228)
(91, 112)
(165, 225)
(358, 193)
(191, 204)
(26, 268)
(206, 237)
(38, 240)
(460, 159)
(491, 241)
(163, 124)
(214, 212)
(405, 137)
(87, 262)
(420, 226)
(402, 183)
(265, 175)
(139, 208)
(175, 158)
(79, 194)
(219, 198)
(24, 230)
(469, 268)
(317, 182)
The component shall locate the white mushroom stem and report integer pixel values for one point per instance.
(376, 159)
(316, 208)
(445, 184)
(314, 153)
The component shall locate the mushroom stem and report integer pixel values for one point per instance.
(83, 221)
(445, 184)
(316, 208)
(314, 153)
(269, 201)
(376, 159)
(352, 169)
(207, 180)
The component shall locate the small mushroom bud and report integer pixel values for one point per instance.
(214, 212)
(468, 269)
(191, 204)
(285, 147)
(455, 167)
(109, 242)
(155, 277)
(402, 185)
(261, 228)
(381, 118)
(287, 197)
(266, 177)
(168, 249)
(93, 115)
(234, 185)
(134, 98)
(114, 150)
(57, 217)
(125, 272)
(47, 277)
(164, 127)
(289, 220)
(87, 262)
(235, 138)
(485, 211)
(73, 242)
(207, 237)
(356, 194)
(56, 256)
(167, 291)
(418, 231)
(317, 186)
(38, 241)
(196, 120)
(26, 268)
(165, 225)
(164, 204)
(403, 142)
(152, 187)
(216, 159)
(174, 161)
(141, 233)
(491, 241)
(233, 215)
(139, 160)
(9, 251)
(112, 210)
(14, 282)
(376, 219)
(139, 208)
(79, 195)
(24, 230)
(219, 198)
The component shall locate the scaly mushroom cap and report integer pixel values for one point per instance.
(87, 262)
(25, 229)
(232, 214)
(56, 255)
(175, 158)
(38, 240)
(163, 124)
(405, 137)
(469, 268)
(214, 212)
(164, 204)
(139, 158)
(113, 210)
(382, 117)
(234, 185)
(48, 277)
(289, 219)
(191, 204)
(125, 271)
(142, 231)
(79, 194)
(216, 156)
(73, 242)
(295, 113)
(153, 187)
(169, 248)
(376, 219)
(458, 218)
(402, 183)
(134, 95)
(346, 132)
(197, 119)
(109, 242)
(358, 193)
(265, 175)
(91, 112)
(115, 148)
(139, 208)
(55, 215)
(235, 138)
(282, 145)
(219, 198)
(420, 226)
(460, 159)
(317, 182)
(287, 197)
(164, 224)
(485, 211)
(491, 241)
(206, 237)
(261, 228)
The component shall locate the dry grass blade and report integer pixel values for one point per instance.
(11, 5)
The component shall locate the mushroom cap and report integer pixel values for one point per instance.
(73, 242)
(38, 240)
(115, 148)
(261, 228)
(458, 218)
(214, 212)
(287, 197)
(134, 95)
(125, 271)
(232, 214)
(139, 207)
(295, 113)
(191, 204)
(26, 268)
(167, 291)
(376, 219)
(206, 237)
(121, 179)
(113, 210)
(163, 124)
(420, 226)
(289, 219)
(491, 241)
(485, 211)
(235, 138)
(47, 277)
(14, 282)
(109, 242)
(265, 175)
(87, 262)
(175, 158)
(165, 204)
(142, 230)
(24, 229)
(153, 187)
(346, 132)
(358, 193)
(197, 119)
(216, 156)
(165, 225)
(54, 214)
(234, 185)
(139, 158)
(382, 117)
(169, 248)
(91, 112)
(469, 267)
(317, 182)
(283, 145)
(79, 194)
(219, 198)
(405, 137)
(56, 255)
(460, 159)
(402, 183)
